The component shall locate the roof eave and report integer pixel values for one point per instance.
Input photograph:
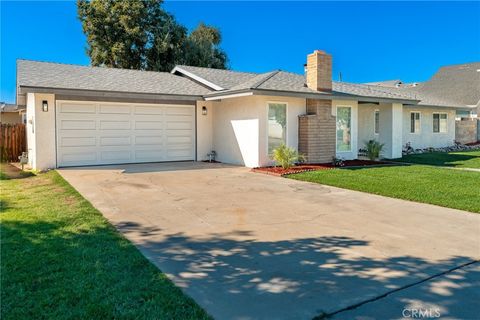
(108, 94)
(466, 107)
(193, 76)
(313, 95)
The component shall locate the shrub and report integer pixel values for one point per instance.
(286, 156)
(373, 148)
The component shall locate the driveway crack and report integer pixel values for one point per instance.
(379, 297)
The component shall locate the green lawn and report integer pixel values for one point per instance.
(61, 259)
(440, 186)
(467, 159)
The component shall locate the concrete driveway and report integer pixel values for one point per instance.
(250, 246)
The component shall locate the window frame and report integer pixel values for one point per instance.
(376, 130)
(336, 136)
(286, 121)
(419, 122)
(439, 119)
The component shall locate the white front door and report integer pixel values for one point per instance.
(93, 133)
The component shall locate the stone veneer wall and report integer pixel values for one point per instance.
(466, 130)
(316, 136)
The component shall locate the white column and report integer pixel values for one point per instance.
(391, 117)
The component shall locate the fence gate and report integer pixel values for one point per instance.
(12, 141)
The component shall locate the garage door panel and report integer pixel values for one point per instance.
(148, 140)
(148, 110)
(77, 124)
(115, 141)
(148, 125)
(78, 108)
(79, 157)
(185, 140)
(123, 133)
(178, 133)
(77, 141)
(115, 109)
(180, 154)
(114, 125)
(116, 156)
(179, 111)
(179, 125)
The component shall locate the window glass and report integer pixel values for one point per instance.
(344, 122)
(436, 122)
(439, 122)
(377, 122)
(277, 125)
(415, 122)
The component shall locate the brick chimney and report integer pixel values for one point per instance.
(319, 71)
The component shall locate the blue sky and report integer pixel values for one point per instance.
(369, 41)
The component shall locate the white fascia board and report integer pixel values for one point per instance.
(197, 78)
(235, 95)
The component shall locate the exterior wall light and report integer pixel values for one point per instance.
(44, 105)
(204, 110)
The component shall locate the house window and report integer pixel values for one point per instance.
(376, 124)
(277, 125)
(439, 122)
(344, 128)
(414, 122)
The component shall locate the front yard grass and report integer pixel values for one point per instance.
(465, 159)
(440, 186)
(61, 259)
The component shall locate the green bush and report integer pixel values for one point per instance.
(373, 148)
(286, 156)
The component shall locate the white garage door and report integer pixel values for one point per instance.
(92, 133)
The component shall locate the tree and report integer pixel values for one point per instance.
(136, 34)
(202, 48)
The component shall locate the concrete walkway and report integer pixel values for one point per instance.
(251, 246)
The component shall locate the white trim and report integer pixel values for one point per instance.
(336, 117)
(439, 132)
(197, 78)
(419, 120)
(286, 121)
(375, 122)
(235, 95)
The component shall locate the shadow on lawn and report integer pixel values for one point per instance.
(439, 159)
(300, 278)
(52, 272)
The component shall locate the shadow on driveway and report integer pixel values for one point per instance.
(299, 279)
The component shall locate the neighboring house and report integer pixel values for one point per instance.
(80, 115)
(11, 114)
(457, 85)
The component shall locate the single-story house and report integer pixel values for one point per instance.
(11, 113)
(78, 115)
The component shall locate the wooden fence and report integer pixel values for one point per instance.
(12, 141)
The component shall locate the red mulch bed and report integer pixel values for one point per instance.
(278, 171)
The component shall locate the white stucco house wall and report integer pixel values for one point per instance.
(78, 115)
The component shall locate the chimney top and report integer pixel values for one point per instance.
(319, 71)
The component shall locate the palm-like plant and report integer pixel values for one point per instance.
(286, 156)
(373, 148)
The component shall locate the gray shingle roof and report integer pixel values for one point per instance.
(293, 82)
(66, 76)
(459, 84)
(223, 78)
(456, 86)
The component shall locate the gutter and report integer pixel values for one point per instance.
(321, 96)
(109, 94)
